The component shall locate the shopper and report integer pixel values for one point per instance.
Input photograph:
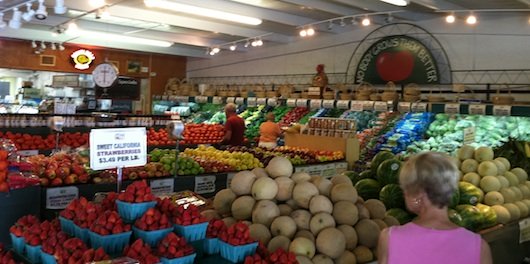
(234, 126)
(428, 181)
(269, 132)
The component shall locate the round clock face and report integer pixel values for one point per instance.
(105, 75)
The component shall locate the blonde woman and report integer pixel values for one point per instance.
(428, 181)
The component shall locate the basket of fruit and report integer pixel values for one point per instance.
(81, 233)
(235, 243)
(16, 232)
(33, 253)
(175, 250)
(47, 258)
(141, 252)
(211, 243)
(189, 223)
(110, 233)
(18, 243)
(152, 227)
(67, 225)
(135, 201)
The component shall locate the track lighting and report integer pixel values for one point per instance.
(260, 43)
(72, 29)
(254, 43)
(33, 44)
(15, 22)
(354, 21)
(310, 31)
(233, 47)
(61, 47)
(471, 19)
(60, 8)
(330, 25)
(41, 12)
(2, 22)
(396, 2)
(303, 33)
(53, 46)
(42, 45)
(29, 12)
(450, 18)
(366, 21)
(342, 23)
(247, 43)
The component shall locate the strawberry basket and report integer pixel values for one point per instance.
(47, 258)
(192, 232)
(18, 243)
(33, 253)
(236, 253)
(211, 246)
(112, 244)
(182, 260)
(151, 237)
(81, 233)
(67, 225)
(131, 211)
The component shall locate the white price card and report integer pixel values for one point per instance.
(328, 104)
(381, 106)
(172, 98)
(201, 99)
(183, 99)
(240, 100)
(251, 102)
(343, 104)
(315, 104)
(524, 230)
(230, 100)
(315, 170)
(357, 106)
(163, 186)
(469, 135)
(502, 110)
(229, 178)
(291, 102)
(301, 103)
(452, 108)
(217, 100)
(272, 102)
(261, 101)
(404, 107)
(341, 167)
(204, 184)
(477, 109)
(28, 153)
(118, 147)
(418, 107)
(59, 198)
(368, 105)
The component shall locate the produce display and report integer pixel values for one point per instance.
(25, 141)
(202, 134)
(60, 168)
(231, 161)
(297, 156)
(328, 112)
(363, 119)
(205, 113)
(410, 128)
(293, 116)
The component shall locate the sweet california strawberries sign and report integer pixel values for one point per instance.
(400, 59)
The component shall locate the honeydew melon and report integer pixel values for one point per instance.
(483, 154)
(503, 215)
(515, 213)
(493, 198)
(504, 161)
(504, 182)
(465, 152)
(512, 178)
(521, 174)
(469, 165)
(501, 169)
(522, 208)
(487, 168)
(472, 178)
(490, 183)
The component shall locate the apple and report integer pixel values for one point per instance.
(394, 66)
(56, 182)
(71, 179)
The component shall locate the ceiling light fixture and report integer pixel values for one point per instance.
(342, 23)
(366, 21)
(260, 42)
(60, 8)
(61, 47)
(42, 45)
(254, 43)
(471, 19)
(310, 31)
(41, 12)
(15, 22)
(450, 18)
(330, 25)
(125, 39)
(33, 44)
(354, 21)
(2, 22)
(303, 33)
(396, 2)
(247, 43)
(72, 29)
(96, 3)
(233, 47)
(205, 12)
(29, 12)
(53, 46)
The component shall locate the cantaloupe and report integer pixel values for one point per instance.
(503, 215)
(321, 221)
(322, 259)
(305, 233)
(345, 213)
(260, 172)
(465, 152)
(285, 209)
(229, 221)
(363, 254)
(527, 202)
(376, 208)
(472, 177)
(303, 260)
(285, 188)
(302, 218)
(483, 154)
(367, 232)
(505, 162)
(320, 203)
(278, 242)
(242, 183)
(515, 213)
(331, 242)
(284, 226)
(347, 257)
(222, 202)
(521, 174)
(517, 192)
(292, 203)
(469, 165)
(508, 195)
(490, 184)
(382, 225)
(260, 232)
(264, 188)
(210, 214)
(487, 168)
(323, 185)
(300, 177)
(279, 167)
(343, 192)
(501, 169)
(390, 220)
(350, 234)
(363, 212)
(504, 182)
(493, 198)
(264, 212)
(341, 179)
(525, 190)
(242, 207)
(302, 246)
(522, 208)
(303, 192)
(512, 178)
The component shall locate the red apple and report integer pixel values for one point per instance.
(395, 66)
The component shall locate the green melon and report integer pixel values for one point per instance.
(455, 217)
(388, 171)
(392, 196)
(489, 216)
(352, 175)
(472, 218)
(455, 199)
(469, 193)
(378, 159)
(401, 215)
(366, 174)
(368, 188)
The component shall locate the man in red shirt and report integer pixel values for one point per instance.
(234, 126)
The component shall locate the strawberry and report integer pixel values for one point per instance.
(141, 252)
(109, 222)
(174, 246)
(237, 234)
(188, 216)
(137, 192)
(152, 220)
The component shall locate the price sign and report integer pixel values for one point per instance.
(452, 108)
(261, 101)
(28, 153)
(404, 107)
(172, 98)
(380, 106)
(368, 105)
(315, 104)
(164, 186)
(251, 102)
(343, 104)
(502, 110)
(183, 99)
(419, 107)
(341, 167)
(524, 230)
(240, 100)
(229, 178)
(118, 147)
(230, 100)
(272, 102)
(301, 102)
(357, 106)
(201, 99)
(291, 102)
(315, 170)
(59, 198)
(328, 104)
(469, 135)
(164, 97)
(217, 100)
(204, 184)
(476, 109)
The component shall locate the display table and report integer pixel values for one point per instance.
(505, 246)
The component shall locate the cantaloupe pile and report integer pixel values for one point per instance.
(506, 189)
(320, 220)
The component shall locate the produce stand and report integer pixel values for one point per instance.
(504, 243)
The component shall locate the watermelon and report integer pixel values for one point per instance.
(354, 176)
(392, 196)
(368, 188)
(489, 216)
(366, 174)
(455, 217)
(469, 193)
(388, 171)
(401, 215)
(378, 159)
(455, 199)
(472, 218)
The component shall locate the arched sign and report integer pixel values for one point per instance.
(400, 59)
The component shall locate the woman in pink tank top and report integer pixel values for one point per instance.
(428, 181)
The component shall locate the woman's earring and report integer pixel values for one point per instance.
(417, 201)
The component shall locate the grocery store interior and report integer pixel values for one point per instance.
(118, 140)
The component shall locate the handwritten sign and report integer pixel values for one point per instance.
(452, 108)
(261, 101)
(502, 110)
(357, 106)
(163, 186)
(59, 198)
(469, 135)
(217, 100)
(201, 99)
(315, 104)
(301, 102)
(230, 100)
(380, 106)
(368, 105)
(204, 184)
(476, 109)
(291, 102)
(118, 147)
(343, 104)
(328, 104)
(404, 107)
(418, 107)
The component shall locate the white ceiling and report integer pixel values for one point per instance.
(191, 35)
